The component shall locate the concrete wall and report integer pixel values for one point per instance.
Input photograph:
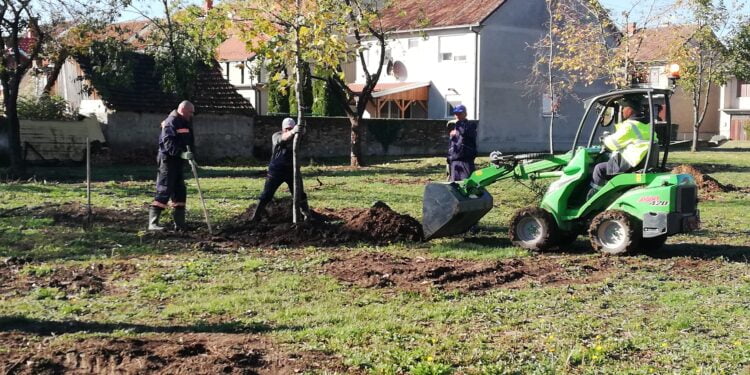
(510, 119)
(682, 114)
(331, 136)
(131, 136)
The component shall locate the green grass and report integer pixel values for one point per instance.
(649, 319)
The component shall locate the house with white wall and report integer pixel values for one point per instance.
(734, 109)
(240, 68)
(651, 51)
(474, 53)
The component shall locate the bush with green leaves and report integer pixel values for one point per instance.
(45, 107)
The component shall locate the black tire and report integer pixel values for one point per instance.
(533, 228)
(653, 244)
(614, 232)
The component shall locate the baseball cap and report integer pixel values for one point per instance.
(631, 101)
(288, 123)
(459, 108)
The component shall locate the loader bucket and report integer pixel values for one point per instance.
(446, 211)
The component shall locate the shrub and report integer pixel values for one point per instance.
(44, 107)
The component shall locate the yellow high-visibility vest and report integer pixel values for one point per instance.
(631, 140)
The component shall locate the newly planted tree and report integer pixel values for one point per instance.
(703, 58)
(295, 34)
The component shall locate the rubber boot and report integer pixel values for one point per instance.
(304, 210)
(178, 215)
(260, 212)
(153, 218)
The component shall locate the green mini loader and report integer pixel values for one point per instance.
(636, 210)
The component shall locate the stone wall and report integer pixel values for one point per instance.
(331, 136)
(134, 136)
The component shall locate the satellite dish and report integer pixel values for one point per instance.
(399, 71)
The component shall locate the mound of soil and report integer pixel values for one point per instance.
(706, 184)
(419, 274)
(378, 224)
(75, 214)
(193, 353)
(71, 280)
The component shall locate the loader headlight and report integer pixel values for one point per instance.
(685, 179)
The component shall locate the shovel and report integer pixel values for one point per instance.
(194, 167)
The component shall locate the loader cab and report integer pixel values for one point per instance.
(604, 111)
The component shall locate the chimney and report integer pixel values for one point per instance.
(208, 5)
(631, 28)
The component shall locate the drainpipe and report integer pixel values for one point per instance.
(475, 30)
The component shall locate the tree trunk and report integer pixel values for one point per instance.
(17, 167)
(356, 159)
(296, 175)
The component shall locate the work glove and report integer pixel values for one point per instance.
(604, 135)
(187, 155)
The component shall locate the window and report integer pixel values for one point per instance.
(226, 70)
(413, 43)
(452, 48)
(242, 73)
(743, 88)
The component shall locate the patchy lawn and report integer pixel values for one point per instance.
(108, 296)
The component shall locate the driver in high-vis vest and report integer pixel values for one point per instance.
(629, 144)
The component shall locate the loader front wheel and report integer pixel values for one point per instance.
(533, 228)
(614, 232)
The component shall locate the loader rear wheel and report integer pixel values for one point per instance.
(533, 228)
(614, 232)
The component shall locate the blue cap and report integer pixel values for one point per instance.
(459, 109)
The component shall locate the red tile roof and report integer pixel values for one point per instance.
(428, 14)
(233, 49)
(655, 44)
(212, 92)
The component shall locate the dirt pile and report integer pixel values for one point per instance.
(93, 279)
(420, 274)
(706, 184)
(193, 353)
(378, 224)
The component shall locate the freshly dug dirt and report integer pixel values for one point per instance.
(378, 224)
(706, 184)
(379, 270)
(179, 353)
(419, 274)
(94, 279)
(75, 214)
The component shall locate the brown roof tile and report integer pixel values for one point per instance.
(655, 44)
(213, 94)
(233, 49)
(421, 14)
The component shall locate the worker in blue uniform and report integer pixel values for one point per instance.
(281, 170)
(175, 145)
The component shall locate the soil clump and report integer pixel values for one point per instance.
(706, 184)
(378, 225)
(183, 353)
